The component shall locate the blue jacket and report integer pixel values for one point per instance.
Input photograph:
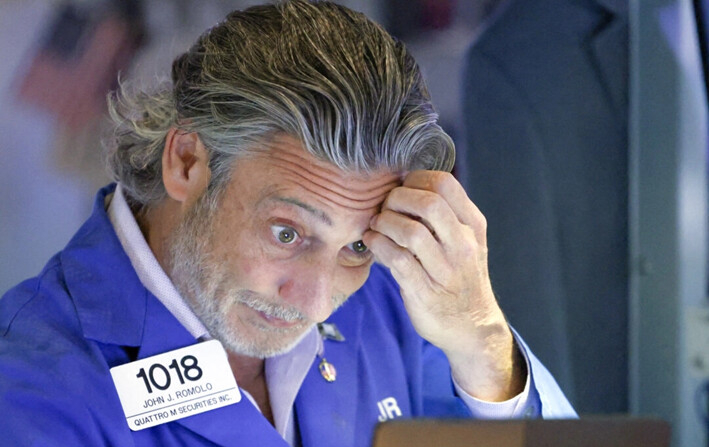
(87, 311)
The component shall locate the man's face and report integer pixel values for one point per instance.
(280, 251)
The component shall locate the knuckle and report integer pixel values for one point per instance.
(430, 204)
(392, 197)
(468, 251)
(417, 233)
(441, 181)
(399, 259)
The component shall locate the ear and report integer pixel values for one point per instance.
(185, 166)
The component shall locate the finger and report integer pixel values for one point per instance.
(444, 184)
(413, 236)
(430, 208)
(405, 268)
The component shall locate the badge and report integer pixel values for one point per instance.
(175, 384)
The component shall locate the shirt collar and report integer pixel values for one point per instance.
(147, 267)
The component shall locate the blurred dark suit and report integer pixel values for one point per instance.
(546, 161)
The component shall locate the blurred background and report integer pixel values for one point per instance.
(581, 128)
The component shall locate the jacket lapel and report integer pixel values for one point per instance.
(234, 425)
(326, 412)
(115, 308)
(237, 424)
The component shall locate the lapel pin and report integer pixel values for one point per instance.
(329, 331)
(327, 370)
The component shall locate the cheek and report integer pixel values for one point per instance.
(350, 279)
(240, 256)
(256, 274)
(253, 271)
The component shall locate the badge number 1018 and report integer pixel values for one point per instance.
(176, 384)
(189, 365)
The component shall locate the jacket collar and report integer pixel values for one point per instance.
(332, 421)
(109, 298)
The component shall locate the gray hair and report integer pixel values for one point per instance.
(317, 71)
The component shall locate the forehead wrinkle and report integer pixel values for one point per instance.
(297, 165)
(321, 215)
(328, 195)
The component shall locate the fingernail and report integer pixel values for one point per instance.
(373, 220)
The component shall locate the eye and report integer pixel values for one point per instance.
(356, 254)
(285, 235)
(358, 247)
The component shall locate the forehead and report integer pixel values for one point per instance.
(285, 171)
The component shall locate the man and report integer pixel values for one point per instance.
(295, 145)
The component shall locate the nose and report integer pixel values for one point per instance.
(309, 288)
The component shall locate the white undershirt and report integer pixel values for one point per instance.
(284, 373)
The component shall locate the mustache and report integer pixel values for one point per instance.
(286, 313)
(254, 301)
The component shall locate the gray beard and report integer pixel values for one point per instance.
(203, 285)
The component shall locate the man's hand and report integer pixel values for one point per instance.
(433, 239)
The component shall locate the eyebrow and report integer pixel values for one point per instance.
(321, 215)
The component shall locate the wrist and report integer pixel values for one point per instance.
(493, 369)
